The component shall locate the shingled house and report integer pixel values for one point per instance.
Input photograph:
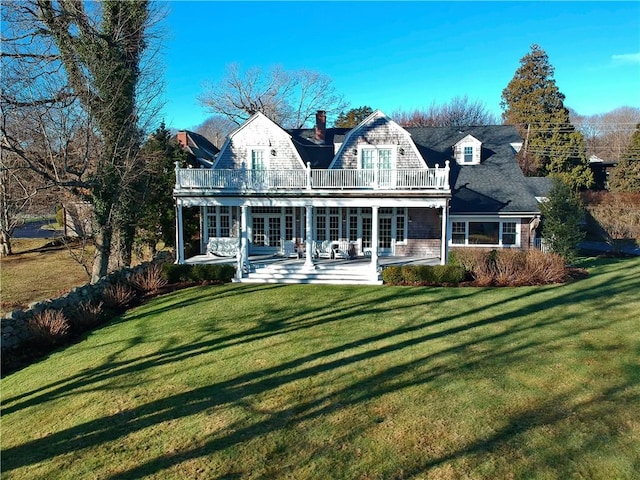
(373, 192)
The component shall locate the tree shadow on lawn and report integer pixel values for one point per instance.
(247, 385)
(244, 387)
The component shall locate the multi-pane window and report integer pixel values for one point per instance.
(379, 158)
(458, 233)
(334, 223)
(384, 158)
(257, 160)
(400, 236)
(368, 159)
(219, 221)
(366, 232)
(468, 154)
(509, 233)
(484, 233)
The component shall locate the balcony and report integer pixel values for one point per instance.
(241, 181)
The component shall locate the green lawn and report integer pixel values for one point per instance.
(322, 382)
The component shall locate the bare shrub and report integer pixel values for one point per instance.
(149, 279)
(543, 268)
(510, 268)
(479, 263)
(48, 327)
(617, 215)
(118, 296)
(86, 315)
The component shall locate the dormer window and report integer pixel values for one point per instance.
(468, 154)
(467, 151)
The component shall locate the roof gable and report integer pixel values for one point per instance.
(375, 131)
(259, 132)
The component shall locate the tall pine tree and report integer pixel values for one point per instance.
(533, 103)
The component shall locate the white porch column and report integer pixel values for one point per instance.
(374, 238)
(179, 234)
(243, 254)
(308, 261)
(443, 244)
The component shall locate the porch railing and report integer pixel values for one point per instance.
(244, 180)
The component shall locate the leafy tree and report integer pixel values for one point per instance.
(157, 218)
(625, 177)
(288, 98)
(533, 103)
(353, 117)
(562, 217)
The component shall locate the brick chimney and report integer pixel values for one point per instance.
(321, 125)
(181, 136)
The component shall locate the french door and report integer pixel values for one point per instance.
(266, 232)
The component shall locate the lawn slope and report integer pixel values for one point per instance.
(322, 382)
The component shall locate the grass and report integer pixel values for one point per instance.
(323, 382)
(53, 269)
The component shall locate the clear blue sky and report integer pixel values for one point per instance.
(405, 55)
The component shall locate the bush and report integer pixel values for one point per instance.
(175, 273)
(410, 274)
(148, 279)
(118, 297)
(545, 268)
(449, 274)
(48, 327)
(86, 315)
(392, 275)
(423, 274)
(512, 267)
(199, 273)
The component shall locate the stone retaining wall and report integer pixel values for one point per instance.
(14, 333)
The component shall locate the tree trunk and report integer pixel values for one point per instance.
(5, 244)
(103, 252)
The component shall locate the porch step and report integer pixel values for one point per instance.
(323, 274)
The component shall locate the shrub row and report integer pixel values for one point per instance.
(57, 322)
(510, 267)
(423, 275)
(174, 273)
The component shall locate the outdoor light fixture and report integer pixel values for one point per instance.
(273, 152)
(401, 151)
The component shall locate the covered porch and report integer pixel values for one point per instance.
(281, 269)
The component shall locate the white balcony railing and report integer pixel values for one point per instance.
(243, 180)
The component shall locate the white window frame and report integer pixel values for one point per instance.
(501, 221)
(376, 159)
(476, 151)
(265, 158)
(468, 154)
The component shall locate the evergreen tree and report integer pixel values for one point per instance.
(353, 117)
(533, 103)
(562, 216)
(157, 217)
(625, 177)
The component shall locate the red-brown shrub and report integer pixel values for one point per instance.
(118, 296)
(510, 268)
(148, 279)
(48, 327)
(86, 315)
